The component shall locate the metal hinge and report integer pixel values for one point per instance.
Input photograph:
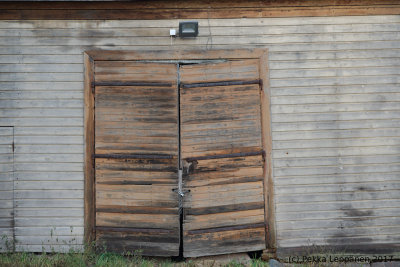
(13, 146)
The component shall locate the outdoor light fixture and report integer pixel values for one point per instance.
(188, 29)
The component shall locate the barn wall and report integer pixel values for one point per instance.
(335, 98)
(6, 188)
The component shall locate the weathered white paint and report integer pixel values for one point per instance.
(335, 120)
(6, 188)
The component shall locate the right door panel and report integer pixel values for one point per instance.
(221, 150)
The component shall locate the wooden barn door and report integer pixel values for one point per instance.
(178, 156)
(222, 154)
(136, 157)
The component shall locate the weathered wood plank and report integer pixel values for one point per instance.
(213, 72)
(220, 29)
(224, 242)
(329, 161)
(338, 116)
(344, 178)
(334, 206)
(331, 197)
(339, 169)
(172, 12)
(223, 219)
(282, 47)
(6, 188)
(47, 185)
(42, 148)
(49, 221)
(333, 188)
(160, 221)
(48, 212)
(44, 203)
(343, 213)
(33, 94)
(339, 142)
(334, 125)
(51, 248)
(344, 133)
(148, 242)
(45, 194)
(199, 4)
(48, 240)
(201, 40)
(51, 230)
(336, 152)
(309, 224)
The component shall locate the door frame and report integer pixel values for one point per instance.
(175, 55)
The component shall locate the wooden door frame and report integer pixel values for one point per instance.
(175, 55)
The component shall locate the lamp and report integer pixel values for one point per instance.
(188, 29)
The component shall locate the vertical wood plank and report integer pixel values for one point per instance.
(267, 146)
(89, 149)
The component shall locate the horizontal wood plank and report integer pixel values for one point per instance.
(172, 10)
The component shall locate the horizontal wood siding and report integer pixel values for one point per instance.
(335, 120)
(6, 189)
(199, 9)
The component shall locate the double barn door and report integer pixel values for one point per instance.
(178, 157)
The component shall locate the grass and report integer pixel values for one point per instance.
(106, 259)
(98, 257)
(103, 259)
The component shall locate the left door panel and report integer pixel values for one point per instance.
(136, 157)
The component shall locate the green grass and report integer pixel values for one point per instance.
(99, 257)
(103, 259)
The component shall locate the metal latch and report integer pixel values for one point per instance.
(180, 190)
(181, 193)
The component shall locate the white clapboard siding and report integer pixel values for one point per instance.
(41, 86)
(68, 248)
(48, 149)
(335, 107)
(282, 47)
(6, 189)
(219, 29)
(50, 231)
(351, 133)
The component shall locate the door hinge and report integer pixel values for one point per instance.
(13, 146)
